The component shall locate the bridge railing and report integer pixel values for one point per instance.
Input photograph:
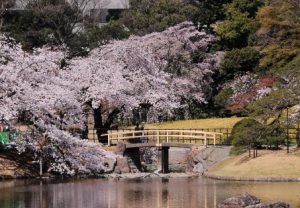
(159, 136)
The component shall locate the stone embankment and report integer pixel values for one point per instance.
(200, 158)
(249, 201)
(150, 175)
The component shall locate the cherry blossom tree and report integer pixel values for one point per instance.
(155, 69)
(124, 74)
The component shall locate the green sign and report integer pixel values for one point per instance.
(4, 137)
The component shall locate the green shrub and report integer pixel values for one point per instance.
(100, 35)
(221, 99)
(274, 135)
(239, 61)
(250, 132)
(237, 150)
(4, 138)
(247, 131)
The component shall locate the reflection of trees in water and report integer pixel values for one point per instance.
(149, 193)
(155, 193)
(75, 195)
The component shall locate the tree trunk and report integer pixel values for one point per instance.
(1, 22)
(249, 149)
(103, 127)
(98, 124)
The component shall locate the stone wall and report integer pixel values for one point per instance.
(201, 158)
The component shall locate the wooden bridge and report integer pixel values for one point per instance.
(164, 139)
(159, 137)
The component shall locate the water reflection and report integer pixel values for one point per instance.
(156, 193)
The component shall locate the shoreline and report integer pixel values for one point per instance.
(143, 175)
(151, 175)
(254, 179)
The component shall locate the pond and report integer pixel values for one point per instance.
(136, 193)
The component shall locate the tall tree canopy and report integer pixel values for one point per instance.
(154, 16)
(116, 77)
(240, 23)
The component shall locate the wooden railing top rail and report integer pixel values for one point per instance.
(160, 130)
(181, 136)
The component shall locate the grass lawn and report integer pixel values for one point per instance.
(267, 164)
(194, 124)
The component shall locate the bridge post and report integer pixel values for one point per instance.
(108, 139)
(165, 159)
(167, 136)
(214, 139)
